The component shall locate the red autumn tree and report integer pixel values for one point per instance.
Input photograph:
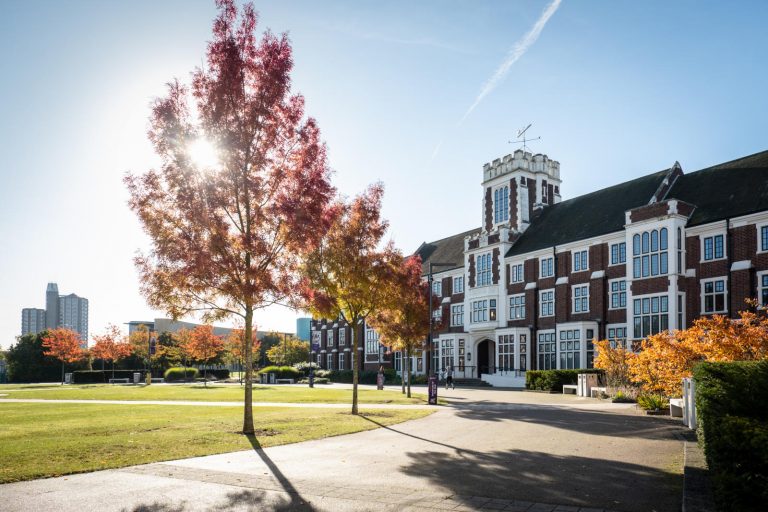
(110, 346)
(228, 236)
(204, 346)
(64, 345)
(346, 276)
(402, 319)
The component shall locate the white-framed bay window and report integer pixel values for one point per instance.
(650, 315)
(547, 350)
(617, 335)
(649, 253)
(483, 311)
(570, 349)
(483, 270)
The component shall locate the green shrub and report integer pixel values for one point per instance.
(216, 373)
(304, 366)
(282, 372)
(318, 380)
(733, 426)
(554, 380)
(652, 402)
(322, 373)
(176, 374)
(419, 379)
(622, 398)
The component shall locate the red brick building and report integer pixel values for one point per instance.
(541, 278)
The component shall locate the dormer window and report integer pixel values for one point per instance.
(501, 205)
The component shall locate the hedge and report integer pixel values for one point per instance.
(553, 380)
(283, 372)
(103, 376)
(733, 427)
(176, 374)
(217, 373)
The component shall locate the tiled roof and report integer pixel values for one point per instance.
(587, 216)
(725, 190)
(447, 250)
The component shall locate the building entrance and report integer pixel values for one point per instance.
(486, 355)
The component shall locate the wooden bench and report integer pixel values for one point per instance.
(284, 381)
(598, 390)
(570, 388)
(676, 407)
(119, 381)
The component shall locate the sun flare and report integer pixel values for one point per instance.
(203, 153)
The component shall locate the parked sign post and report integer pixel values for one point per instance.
(433, 390)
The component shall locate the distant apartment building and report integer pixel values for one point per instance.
(32, 321)
(161, 325)
(68, 311)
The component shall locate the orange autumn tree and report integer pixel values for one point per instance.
(402, 319)
(664, 359)
(235, 346)
(614, 359)
(346, 276)
(229, 235)
(110, 346)
(204, 346)
(64, 345)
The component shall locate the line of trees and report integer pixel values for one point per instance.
(44, 357)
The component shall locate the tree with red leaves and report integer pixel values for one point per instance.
(204, 346)
(235, 346)
(111, 346)
(228, 237)
(64, 345)
(402, 319)
(347, 276)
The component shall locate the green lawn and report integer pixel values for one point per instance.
(212, 393)
(41, 440)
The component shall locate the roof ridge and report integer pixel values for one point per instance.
(645, 176)
(717, 166)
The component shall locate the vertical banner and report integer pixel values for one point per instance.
(380, 381)
(433, 390)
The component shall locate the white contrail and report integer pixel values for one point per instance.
(517, 51)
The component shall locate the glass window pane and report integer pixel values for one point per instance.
(663, 239)
(654, 240)
(645, 242)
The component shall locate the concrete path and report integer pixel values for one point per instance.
(489, 449)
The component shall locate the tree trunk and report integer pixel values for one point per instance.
(113, 368)
(205, 376)
(248, 353)
(402, 370)
(409, 378)
(355, 365)
(62, 373)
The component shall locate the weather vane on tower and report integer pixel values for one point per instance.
(521, 137)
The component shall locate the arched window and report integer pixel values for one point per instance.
(650, 253)
(501, 205)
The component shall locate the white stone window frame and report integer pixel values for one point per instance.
(486, 272)
(580, 298)
(583, 251)
(329, 361)
(703, 296)
(504, 211)
(437, 286)
(514, 276)
(457, 315)
(458, 284)
(610, 253)
(612, 336)
(712, 235)
(542, 301)
(611, 292)
(548, 337)
(342, 336)
(519, 306)
(342, 357)
(760, 288)
(760, 226)
(542, 259)
(662, 254)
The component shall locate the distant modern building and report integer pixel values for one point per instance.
(302, 328)
(32, 321)
(68, 311)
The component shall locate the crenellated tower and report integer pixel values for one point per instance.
(515, 187)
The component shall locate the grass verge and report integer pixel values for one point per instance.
(44, 440)
(212, 393)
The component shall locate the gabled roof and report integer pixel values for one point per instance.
(587, 216)
(730, 189)
(446, 250)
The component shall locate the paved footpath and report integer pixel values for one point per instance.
(487, 450)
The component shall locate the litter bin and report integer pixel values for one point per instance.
(67, 378)
(136, 377)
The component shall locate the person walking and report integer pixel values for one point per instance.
(449, 378)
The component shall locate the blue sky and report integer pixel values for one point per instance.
(615, 90)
